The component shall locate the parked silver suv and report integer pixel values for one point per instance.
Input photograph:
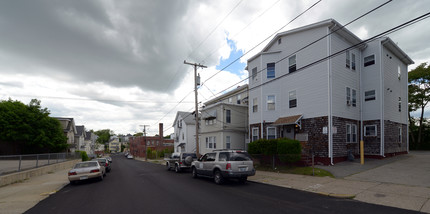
(222, 164)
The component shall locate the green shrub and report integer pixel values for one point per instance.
(84, 155)
(289, 150)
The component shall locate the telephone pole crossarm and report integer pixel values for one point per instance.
(196, 103)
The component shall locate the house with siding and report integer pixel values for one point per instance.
(184, 132)
(80, 138)
(69, 130)
(90, 142)
(224, 121)
(330, 102)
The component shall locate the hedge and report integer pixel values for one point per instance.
(288, 150)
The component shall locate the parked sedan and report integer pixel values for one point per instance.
(130, 156)
(86, 170)
(104, 162)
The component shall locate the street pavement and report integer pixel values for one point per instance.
(401, 181)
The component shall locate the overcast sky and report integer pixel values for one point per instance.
(119, 64)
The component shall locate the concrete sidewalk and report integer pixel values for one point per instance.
(20, 197)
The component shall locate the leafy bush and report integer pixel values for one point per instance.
(84, 155)
(289, 150)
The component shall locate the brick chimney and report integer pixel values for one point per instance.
(160, 130)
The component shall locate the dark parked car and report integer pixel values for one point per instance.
(104, 162)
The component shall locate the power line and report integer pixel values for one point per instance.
(306, 46)
(262, 41)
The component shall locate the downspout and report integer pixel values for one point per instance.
(382, 93)
(329, 128)
(261, 99)
(361, 99)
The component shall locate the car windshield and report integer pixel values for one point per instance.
(235, 156)
(85, 164)
(193, 155)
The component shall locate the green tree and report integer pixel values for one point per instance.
(419, 97)
(103, 135)
(138, 134)
(29, 129)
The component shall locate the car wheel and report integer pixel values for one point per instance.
(243, 180)
(177, 168)
(168, 166)
(218, 177)
(194, 172)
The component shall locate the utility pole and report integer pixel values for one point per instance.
(146, 144)
(197, 109)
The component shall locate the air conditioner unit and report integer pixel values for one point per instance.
(348, 102)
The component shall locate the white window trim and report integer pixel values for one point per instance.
(228, 142)
(267, 131)
(376, 130)
(349, 127)
(289, 98)
(400, 135)
(267, 103)
(365, 95)
(256, 131)
(254, 103)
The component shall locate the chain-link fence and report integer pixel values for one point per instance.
(16, 163)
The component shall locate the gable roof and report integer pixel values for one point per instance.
(80, 130)
(336, 26)
(230, 93)
(187, 117)
(70, 124)
(390, 45)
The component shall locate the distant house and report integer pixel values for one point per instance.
(330, 102)
(184, 132)
(114, 145)
(138, 145)
(224, 121)
(69, 130)
(90, 142)
(80, 138)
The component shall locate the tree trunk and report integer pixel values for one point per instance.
(421, 125)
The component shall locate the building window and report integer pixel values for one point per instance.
(254, 74)
(228, 116)
(354, 97)
(369, 60)
(183, 136)
(255, 105)
(399, 72)
(353, 62)
(348, 96)
(279, 41)
(271, 102)
(369, 95)
(351, 133)
(230, 100)
(255, 134)
(271, 70)
(348, 61)
(292, 99)
(400, 104)
(292, 64)
(227, 142)
(211, 142)
(400, 134)
(238, 99)
(271, 133)
(370, 130)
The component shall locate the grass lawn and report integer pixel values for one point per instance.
(295, 170)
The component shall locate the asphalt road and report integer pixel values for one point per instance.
(140, 187)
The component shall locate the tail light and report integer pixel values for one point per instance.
(106, 164)
(228, 166)
(95, 170)
(72, 173)
(180, 163)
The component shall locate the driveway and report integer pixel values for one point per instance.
(411, 169)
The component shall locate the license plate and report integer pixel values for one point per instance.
(83, 177)
(243, 169)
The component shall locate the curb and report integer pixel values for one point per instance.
(335, 195)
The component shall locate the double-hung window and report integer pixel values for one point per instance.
(400, 134)
(254, 74)
(271, 102)
(369, 60)
(292, 64)
(211, 142)
(351, 97)
(255, 134)
(270, 70)
(228, 116)
(354, 97)
(353, 61)
(255, 105)
(292, 99)
(238, 99)
(271, 133)
(369, 95)
(351, 133)
(400, 104)
(227, 142)
(348, 61)
(370, 130)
